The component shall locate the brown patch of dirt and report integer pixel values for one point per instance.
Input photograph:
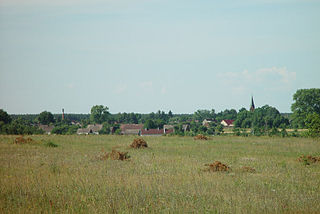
(308, 159)
(217, 166)
(139, 143)
(22, 140)
(114, 155)
(200, 137)
(248, 169)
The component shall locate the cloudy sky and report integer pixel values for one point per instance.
(146, 55)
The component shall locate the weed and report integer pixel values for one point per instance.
(54, 168)
(307, 160)
(248, 169)
(51, 144)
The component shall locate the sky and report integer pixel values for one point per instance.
(148, 55)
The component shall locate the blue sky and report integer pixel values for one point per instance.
(146, 55)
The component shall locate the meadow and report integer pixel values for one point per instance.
(166, 177)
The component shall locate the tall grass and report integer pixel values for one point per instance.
(167, 177)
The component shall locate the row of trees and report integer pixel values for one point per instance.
(16, 126)
(306, 111)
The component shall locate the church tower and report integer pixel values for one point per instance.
(62, 114)
(252, 105)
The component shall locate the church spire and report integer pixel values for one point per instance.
(252, 105)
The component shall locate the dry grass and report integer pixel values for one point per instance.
(165, 179)
(114, 155)
(22, 140)
(217, 166)
(200, 137)
(248, 169)
(138, 143)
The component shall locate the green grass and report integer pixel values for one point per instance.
(167, 177)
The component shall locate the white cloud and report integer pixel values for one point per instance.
(70, 85)
(285, 75)
(262, 74)
(274, 78)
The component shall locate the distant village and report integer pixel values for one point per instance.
(138, 129)
(264, 120)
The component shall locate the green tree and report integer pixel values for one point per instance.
(306, 101)
(150, 124)
(99, 114)
(46, 118)
(5, 117)
(313, 124)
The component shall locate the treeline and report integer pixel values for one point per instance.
(265, 120)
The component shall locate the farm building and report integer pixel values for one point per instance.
(131, 129)
(91, 129)
(227, 123)
(206, 122)
(152, 132)
(46, 128)
(168, 129)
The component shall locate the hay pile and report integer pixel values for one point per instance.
(21, 140)
(139, 143)
(217, 166)
(200, 137)
(308, 159)
(248, 169)
(115, 155)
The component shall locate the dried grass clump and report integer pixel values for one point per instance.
(308, 159)
(115, 155)
(200, 137)
(217, 166)
(248, 169)
(139, 143)
(21, 140)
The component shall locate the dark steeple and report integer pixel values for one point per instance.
(252, 105)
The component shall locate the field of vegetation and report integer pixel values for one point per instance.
(47, 174)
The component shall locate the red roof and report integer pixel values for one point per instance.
(228, 122)
(152, 132)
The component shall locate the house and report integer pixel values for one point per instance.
(152, 132)
(46, 128)
(227, 123)
(91, 129)
(131, 129)
(75, 123)
(206, 122)
(83, 131)
(168, 129)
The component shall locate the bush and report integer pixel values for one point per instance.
(51, 144)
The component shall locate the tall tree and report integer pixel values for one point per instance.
(5, 117)
(99, 114)
(46, 118)
(306, 101)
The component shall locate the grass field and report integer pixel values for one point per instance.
(167, 177)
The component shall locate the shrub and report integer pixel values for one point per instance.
(51, 144)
